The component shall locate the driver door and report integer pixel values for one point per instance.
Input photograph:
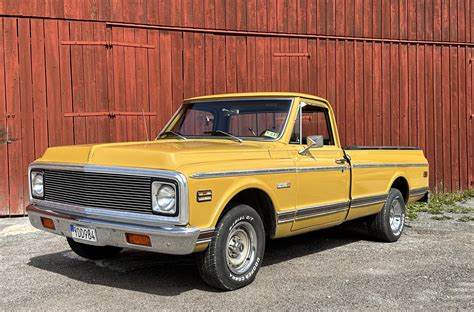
(322, 175)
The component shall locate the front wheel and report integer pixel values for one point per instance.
(388, 224)
(235, 253)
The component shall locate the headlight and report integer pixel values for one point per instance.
(163, 198)
(37, 186)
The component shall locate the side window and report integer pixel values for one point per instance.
(314, 121)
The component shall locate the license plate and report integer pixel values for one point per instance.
(83, 233)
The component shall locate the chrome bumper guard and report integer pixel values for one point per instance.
(169, 239)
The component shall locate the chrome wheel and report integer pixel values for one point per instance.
(241, 247)
(396, 216)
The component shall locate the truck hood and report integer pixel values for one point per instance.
(162, 154)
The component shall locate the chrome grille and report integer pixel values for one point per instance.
(98, 190)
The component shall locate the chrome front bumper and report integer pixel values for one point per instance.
(167, 239)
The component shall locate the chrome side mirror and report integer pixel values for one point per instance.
(313, 141)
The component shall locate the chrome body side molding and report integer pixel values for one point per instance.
(389, 165)
(419, 191)
(219, 174)
(368, 200)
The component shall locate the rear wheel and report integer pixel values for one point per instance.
(235, 253)
(388, 224)
(93, 252)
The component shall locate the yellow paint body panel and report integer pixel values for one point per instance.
(307, 188)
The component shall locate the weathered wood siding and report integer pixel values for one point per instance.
(397, 72)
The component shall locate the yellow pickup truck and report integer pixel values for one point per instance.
(225, 174)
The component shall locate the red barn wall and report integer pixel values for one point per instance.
(396, 72)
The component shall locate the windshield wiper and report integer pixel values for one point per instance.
(231, 136)
(176, 134)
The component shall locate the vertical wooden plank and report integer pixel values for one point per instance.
(53, 82)
(188, 70)
(340, 97)
(272, 15)
(405, 100)
(368, 80)
(166, 95)
(4, 174)
(331, 17)
(39, 87)
(377, 19)
(377, 91)
(231, 64)
(164, 11)
(292, 13)
(257, 18)
(359, 18)
(445, 95)
(395, 94)
(368, 18)
(359, 105)
(294, 69)
(26, 96)
(282, 15)
(464, 118)
(445, 20)
(176, 8)
(412, 22)
(188, 13)
(436, 20)
(219, 64)
(385, 18)
(311, 18)
(241, 14)
(438, 119)
(177, 68)
(429, 112)
(453, 20)
(285, 65)
(301, 16)
(454, 99)
(276, 65)
(230, 14)
(412, 139)
(349, 18)
(303, 68)
(66, 87)
(429, 27)
(119, 86)
(129, 75)
(198, 13)
(268, 63)
(199, 65)
(403, 19)
(209, 59)
(421, 96)
(154, 85)
(251, 64)
(14, 123)
(101, 87)
(143, 90)
(420, 21)
(350, 93)
(386, 83)
(241, 47)
(321, 69)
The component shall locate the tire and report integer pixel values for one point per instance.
(236, 251)
(93, 252)
(388, 224)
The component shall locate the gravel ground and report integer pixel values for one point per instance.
(430, 268)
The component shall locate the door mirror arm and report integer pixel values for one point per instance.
(313, 141)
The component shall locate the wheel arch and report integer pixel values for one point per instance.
(258, 199)
(400, 183)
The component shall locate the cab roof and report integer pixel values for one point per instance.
(256, 94)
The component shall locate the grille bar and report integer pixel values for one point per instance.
(99, 190)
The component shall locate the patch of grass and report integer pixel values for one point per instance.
(441, 203)
(466, 219)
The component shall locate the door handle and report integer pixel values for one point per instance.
(341, 161)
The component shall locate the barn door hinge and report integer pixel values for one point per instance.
(291, 54)
(111, 114)
(108, 44)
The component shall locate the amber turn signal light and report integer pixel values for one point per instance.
(48, 223)
(138, 239)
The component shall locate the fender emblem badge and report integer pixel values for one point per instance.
(283, 185)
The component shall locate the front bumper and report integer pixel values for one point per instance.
(164, 238)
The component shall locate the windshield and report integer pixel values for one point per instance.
(249, 119)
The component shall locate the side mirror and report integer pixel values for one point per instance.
(313, 141)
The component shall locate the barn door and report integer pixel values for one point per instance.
(109, 85)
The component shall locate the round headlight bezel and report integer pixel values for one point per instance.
(161, 203)
(37, 184)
